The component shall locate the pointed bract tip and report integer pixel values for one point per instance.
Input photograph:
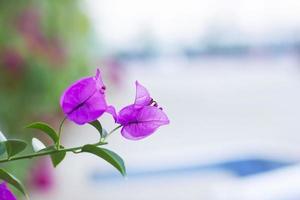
(142, 96)
(139, 85)
(97, 74)
(111, 110)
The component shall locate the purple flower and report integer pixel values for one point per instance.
(41, 176)
(84, 101)
(12, 60)
(5, 193)
(142, 118)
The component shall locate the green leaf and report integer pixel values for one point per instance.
(98, 126)
(9, 178)
(2, 148)
(14, 147)
(46, 129)
(57, 157)
(111, 157)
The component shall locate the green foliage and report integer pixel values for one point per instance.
(13, 147)
(98, 126)
(43, 46)
(2, 148)
(9, 178)
(46, 129)
(56, 151)
(111, 157)
(57, 158)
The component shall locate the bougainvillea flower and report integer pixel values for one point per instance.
(142, 118)
(5, 193)
(41, 175)
(84, 101)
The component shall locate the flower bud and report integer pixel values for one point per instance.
(37, 145)
(2, 137)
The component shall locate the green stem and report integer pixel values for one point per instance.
(44, 153)
(59, 132)
(58, 149)
(112, 131)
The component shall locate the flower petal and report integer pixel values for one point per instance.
(91, 110)
(128, 114)
(142, 97)
(99, 83)
(84, 100)
(111, 110)
(77, 93)
(5, 193)
(149, 119)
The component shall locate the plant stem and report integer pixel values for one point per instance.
(58, 149)
(59, 132)
(44, 153)
(113, 131)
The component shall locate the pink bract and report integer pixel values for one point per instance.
(141, 119)
(5, 193)
(84, 101)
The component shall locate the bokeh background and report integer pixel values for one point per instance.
(227, 73)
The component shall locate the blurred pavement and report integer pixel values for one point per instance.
(219, 109)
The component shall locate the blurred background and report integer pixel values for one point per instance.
(227, 73)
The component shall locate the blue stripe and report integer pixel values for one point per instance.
(240, 168)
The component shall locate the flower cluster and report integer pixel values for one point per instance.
(84, 102)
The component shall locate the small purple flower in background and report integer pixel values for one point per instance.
(84, 101)
(29, 24)
(5, 193)
(41, 176)
(12, 60)
(142, 118)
